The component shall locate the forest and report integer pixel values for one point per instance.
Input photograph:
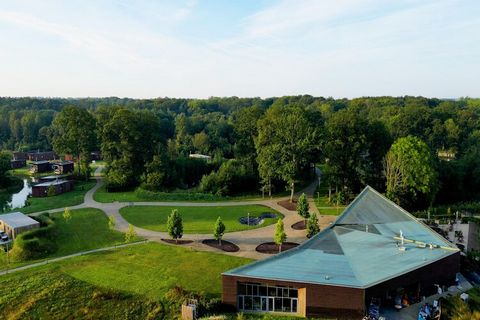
(420, 151)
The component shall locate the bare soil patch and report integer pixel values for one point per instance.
(226, 246)
(292, 206)
(300, 225)
(272, 247)
(179, 241)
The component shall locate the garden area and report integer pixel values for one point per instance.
(199, 219)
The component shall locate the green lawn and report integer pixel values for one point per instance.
(86, 230)
(67, 199)
(322, 203)
(118, 284)
(195, 219)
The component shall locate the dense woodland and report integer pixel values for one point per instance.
(263, 145)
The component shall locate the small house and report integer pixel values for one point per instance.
(16, 164)
(42, 156)
(59, 187)
(20, 156)
(63, 167)
(15, 223)
(53, 178)
(40, 167)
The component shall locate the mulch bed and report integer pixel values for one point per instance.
(226, 246)
(272, 247)
(172, 241)
(292, 206)
(300, 225)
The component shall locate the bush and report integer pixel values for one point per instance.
(36, 243)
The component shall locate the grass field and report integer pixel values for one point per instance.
(67, 199)
(195, 219)
(121, 284)
(86, 230)
(321, 201)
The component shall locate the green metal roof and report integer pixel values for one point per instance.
(360, 249)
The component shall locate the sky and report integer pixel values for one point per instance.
(244, 48)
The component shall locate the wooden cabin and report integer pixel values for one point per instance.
(17, 164)
(40, 167)
(63, 167)
(60, 186)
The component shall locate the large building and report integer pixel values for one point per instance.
(375, 249)
(15, 223)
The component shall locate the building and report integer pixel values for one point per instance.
(17, 164)
(60, 186)
(53, 178)
(375, 249)
(63, 167)
(200, 156)
(42, 156)
(40, 166)
(16, 222)
(20, 156)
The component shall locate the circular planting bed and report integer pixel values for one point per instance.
(292, 206)
(300, 225)
(255, 221)
(272, 247)
(172, 241)
(226, 246)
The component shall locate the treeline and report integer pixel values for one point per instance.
(262, 144)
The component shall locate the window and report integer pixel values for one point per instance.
(260, 297)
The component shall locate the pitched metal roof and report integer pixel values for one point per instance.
(17, 219)
(360, 249)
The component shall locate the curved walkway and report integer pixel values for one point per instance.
(247, 240)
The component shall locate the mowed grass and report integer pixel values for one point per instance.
(196, 219)
(86, 230)
(152, 268)
(322, 203)
(121, 284)
(67, 199)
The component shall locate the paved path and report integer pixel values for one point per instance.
(247, 240)
(47, 261)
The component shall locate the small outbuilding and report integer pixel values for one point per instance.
(53, 178)
(16, 164)
(40, 167)
(63, 167)
(20, 155)
(42, 156)
(60, 186)
(16, 222)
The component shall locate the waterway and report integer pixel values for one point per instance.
(14, 200)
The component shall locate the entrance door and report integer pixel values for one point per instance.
(264, 303)
(271, 304)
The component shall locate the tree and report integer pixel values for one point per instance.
(312, 225)
(111, 222)
(409, 171)
(67, 215)
(4, 167)
(280, 235)
(175, 225)
(303, 207)
(73, 132)
(131, 234)
(286, 143)
(51, 191)
(219, 230)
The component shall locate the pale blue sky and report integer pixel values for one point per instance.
(202, 48)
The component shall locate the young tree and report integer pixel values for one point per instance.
(131, 234)
(219, 230)
(50, 191)
(175, 225)
(303, 207)
(67, 215)
(280, 235)
(111, 222)
(4, 167)
(312, 225)
(409, 171)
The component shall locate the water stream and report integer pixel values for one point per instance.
(9, 201)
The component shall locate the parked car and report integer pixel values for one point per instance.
(3, 236)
